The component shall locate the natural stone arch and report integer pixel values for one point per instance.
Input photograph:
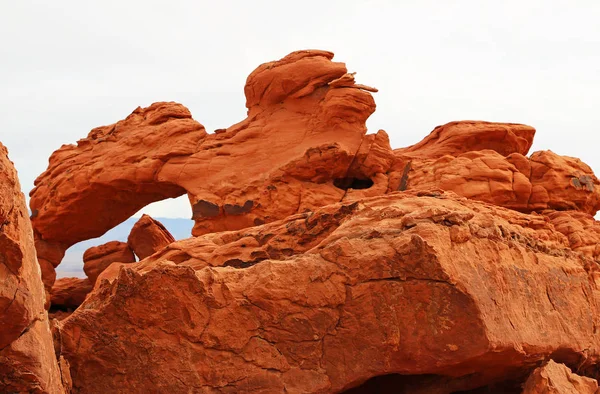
(306, 121)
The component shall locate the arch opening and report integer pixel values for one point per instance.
(353, 183)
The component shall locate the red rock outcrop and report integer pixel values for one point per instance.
(69, 293)
(496, 173)
(323, 301)
(302, 146)
(97, 258)
(27, 359)
(148, 236)
(455, 138)
(323, 259)
(555, 378)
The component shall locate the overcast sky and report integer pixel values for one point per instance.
(69, 66)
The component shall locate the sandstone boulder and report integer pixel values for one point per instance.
(455, 138)
(148, 236)
(97, 258)
(555, 378)
(545, 180)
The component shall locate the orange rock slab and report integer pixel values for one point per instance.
(27, 360)
(555, 378)
(148, 236)
(406, 283)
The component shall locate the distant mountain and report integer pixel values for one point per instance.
(72, 264)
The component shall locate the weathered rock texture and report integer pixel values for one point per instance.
(148, 236)
(27, 359)
(69, 293)
(97, 258)
(321, 302)
(302, 146)
(555, 378)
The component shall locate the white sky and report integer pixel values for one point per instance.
(69, 66)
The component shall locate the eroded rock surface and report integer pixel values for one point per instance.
(555, 378)
(469, 158)
(27, 360)
(148, 236)
(323, 301)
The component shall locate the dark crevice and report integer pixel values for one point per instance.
(507, 387)
(426, 384)
(404, 179)
(60, 308)
(237, 263)
(352, 183)
(25, 331)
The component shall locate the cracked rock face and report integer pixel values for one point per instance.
(323, 301)
(27, 359)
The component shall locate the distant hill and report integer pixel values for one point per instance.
(72, 264)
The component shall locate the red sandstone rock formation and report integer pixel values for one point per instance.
(27, 359)
(96, 259)
(302, 146)
(555, 378)
(323, 301)
(366, 272)
(455, 138)
(69, 293)
(499, 175)
(148, 236)
(300, 133)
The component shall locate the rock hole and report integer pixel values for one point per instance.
(170, 213)
(353, 183)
